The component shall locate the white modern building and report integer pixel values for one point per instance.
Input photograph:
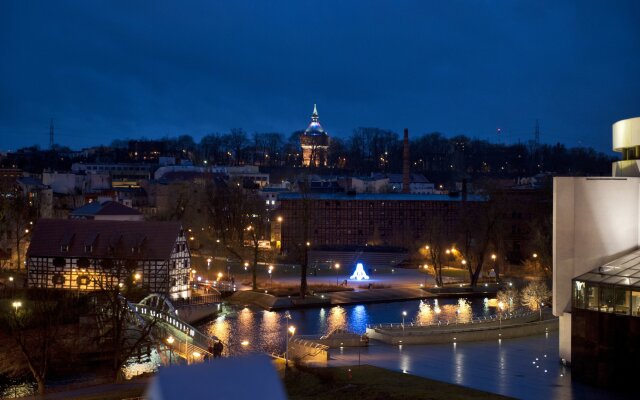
(596, 265)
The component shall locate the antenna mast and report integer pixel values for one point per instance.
(51, 134)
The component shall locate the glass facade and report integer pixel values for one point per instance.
(606, 298)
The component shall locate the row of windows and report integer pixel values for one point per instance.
(606, 298)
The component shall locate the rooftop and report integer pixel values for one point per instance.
(380, 196)
(104, 208)
(623, 271)
(103, 239)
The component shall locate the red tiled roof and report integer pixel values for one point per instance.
(109, 239)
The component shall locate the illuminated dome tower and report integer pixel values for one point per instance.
(314, 142)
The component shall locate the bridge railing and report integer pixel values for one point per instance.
(198, 300)
(474, 320)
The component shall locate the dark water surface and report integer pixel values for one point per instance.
(265, 330)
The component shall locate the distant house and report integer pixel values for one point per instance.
(82, 254)
(106, 211)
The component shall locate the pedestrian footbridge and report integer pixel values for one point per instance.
(180, 338)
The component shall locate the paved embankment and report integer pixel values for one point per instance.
(463, 332)
(271, 302)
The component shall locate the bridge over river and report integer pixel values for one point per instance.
(181, 338)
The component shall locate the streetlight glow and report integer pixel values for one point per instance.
(170, 340)
(292, 330)
(16, 305)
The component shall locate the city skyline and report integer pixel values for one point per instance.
(106, 71)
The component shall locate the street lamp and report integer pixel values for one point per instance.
(426, 272)
(270, 271)
(170, 340)
(535, 255)
(208, 263)
(404, 314)
(337, 268)
(16, 305)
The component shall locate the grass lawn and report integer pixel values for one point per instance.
(368, 382)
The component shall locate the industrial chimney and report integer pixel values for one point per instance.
(406, 172)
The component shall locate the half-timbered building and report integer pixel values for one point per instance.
(92, 254)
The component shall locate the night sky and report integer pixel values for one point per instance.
(115, 70)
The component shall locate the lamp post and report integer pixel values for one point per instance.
(337, 268)
(16, 305)
(404, 314)
(426, 272)
(170, 340)
(270, 275)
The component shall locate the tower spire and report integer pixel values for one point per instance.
(314, 116)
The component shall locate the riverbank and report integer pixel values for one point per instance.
(456, 333)
(270, 302)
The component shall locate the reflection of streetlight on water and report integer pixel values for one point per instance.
(500, 307)
(292, 329)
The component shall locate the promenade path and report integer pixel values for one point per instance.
(524, 368)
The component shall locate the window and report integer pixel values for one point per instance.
(579, 292)
(64, 248)
(607, 299)
(83, 280)
(592, 297)
(635, 304)
(88, 248)
(622, 301)
(57, 279)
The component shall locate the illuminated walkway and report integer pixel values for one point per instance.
(525, 368)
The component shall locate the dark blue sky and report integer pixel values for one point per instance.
(107, 70)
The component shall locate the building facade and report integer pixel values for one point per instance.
(596, 270)
(394, 219)
(88, 255)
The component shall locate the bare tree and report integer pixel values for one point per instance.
(34, 325)
(436, 247)
(534, 295)
(121, 331)
(18, 212)
(479, 228)
(238, 219)
(509, 297)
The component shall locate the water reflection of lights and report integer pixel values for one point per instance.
(358, 317)
(337, 319)
(425, 314)
(464, 313)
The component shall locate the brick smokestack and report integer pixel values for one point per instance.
(406, 172)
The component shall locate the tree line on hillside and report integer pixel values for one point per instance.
(366, 150)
